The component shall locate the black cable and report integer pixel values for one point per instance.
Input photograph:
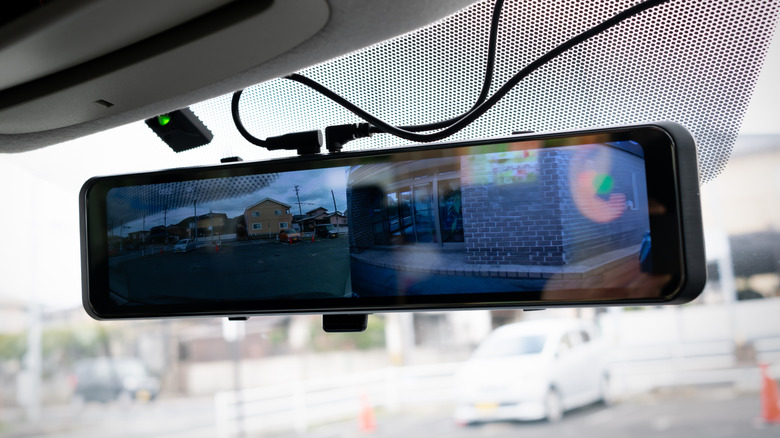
(348, 135)
(239, 125)
(486, 82)
(306, 142)
(483, 107)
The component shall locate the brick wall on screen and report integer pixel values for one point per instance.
(515, 223)
(538, 223)
(361, 235)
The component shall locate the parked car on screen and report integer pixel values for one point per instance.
(289, 235)
(328, 231)
(532, 371)
(185, 245)
(108, 379)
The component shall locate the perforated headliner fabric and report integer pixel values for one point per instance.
(694, 63)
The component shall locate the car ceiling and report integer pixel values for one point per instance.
(72, 68)
(694, 63)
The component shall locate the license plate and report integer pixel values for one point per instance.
(143, 395)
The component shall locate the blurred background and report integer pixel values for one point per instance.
(679, 370)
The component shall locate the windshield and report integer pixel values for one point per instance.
(703, 369)
(508, 346)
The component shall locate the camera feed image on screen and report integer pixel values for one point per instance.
(516, 219)
(237, 238)
(508, 217)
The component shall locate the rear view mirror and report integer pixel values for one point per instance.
(598, 217)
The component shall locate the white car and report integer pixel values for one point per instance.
(184, 245)
(532, 371)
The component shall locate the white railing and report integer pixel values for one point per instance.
(298, 405)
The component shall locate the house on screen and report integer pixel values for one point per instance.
(320, 216)
(336, 218)
(312, 218)
(316, 213)
(212, 224)
(267, 218)
(208, 224)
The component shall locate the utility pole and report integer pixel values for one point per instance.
(297, 188)
(336, 211)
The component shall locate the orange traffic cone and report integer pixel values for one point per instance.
(770, 400)
(367, 421)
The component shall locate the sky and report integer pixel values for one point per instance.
(314, 190)
(40, 250)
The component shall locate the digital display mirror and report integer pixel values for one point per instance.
(601, 217)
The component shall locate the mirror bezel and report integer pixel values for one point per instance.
(672, 182)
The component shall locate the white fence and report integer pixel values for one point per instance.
(298, 405)
(686, 345)
(652, 348)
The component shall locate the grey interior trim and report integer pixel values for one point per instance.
(195, 54)
(65, 34)
(352, 25)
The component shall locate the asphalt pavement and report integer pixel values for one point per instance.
(235, 271)
(713, 412)
(170, 418)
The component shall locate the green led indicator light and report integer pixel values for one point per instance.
(163, 119)
(603, 183)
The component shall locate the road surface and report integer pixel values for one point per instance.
(236, 271)
(688, 412)
(711, 412)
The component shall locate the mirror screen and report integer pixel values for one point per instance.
(508, 217)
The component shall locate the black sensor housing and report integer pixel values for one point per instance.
(182, 130)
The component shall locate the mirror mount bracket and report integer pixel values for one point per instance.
(345, 323)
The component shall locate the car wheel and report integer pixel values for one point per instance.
(553, 406)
